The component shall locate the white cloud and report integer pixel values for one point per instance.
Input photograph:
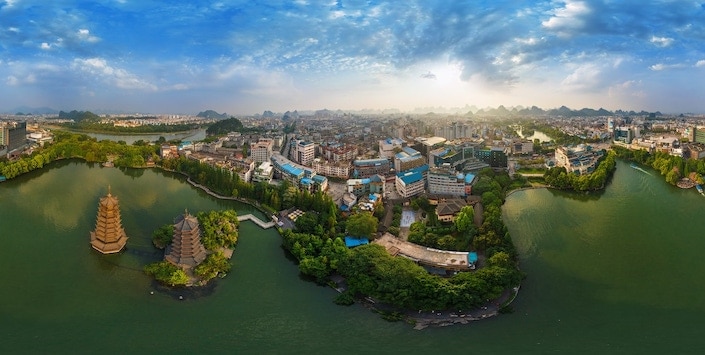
(700, 63)
(569, 18)
(121, 78)
(661, 41)
(45, 46)
(11, 81)
(84, 34)
(658, 67)
(584, 77)
(661, 66)
(629, 88)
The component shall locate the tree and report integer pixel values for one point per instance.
(163, 236)
(362, 224)
(166, 272)
(213, 265)
(307, 222)
(465, 220)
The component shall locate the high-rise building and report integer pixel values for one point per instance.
(407, 159)
(412, 182)
(109, 236)
(262, 150)
(445, 181)
(13, 135)
(302, 152)
(495, 157)
(186, 249)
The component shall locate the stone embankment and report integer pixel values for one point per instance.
(247, 217)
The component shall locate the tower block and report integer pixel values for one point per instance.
(186, 250)
(109, 236)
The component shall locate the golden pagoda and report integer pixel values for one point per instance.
(186, 250)
(109, 236)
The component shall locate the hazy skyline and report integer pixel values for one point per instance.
(244, 57)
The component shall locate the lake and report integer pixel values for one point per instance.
(616, 272)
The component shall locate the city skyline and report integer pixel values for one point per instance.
(243, 58)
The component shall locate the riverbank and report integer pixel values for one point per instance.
(444, 318)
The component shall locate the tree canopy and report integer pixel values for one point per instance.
(361, 225)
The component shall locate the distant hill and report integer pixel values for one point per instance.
(224, 127)
(79, 116)
(26, 110)
(212, 114)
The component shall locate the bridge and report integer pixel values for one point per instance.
(250, 217)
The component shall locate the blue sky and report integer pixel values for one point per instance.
(244, 57)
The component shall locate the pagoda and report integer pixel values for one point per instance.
(109, 236)
(186, 250)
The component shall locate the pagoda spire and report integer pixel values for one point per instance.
(108, 236)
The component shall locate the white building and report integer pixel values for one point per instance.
(580, 160)
(264, 172)
(262, 150)
(326, 168)
(411, 183)
(446, 181)
(302, 152)
(388, 146)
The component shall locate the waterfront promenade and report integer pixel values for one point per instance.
(250, 217)
(247, 217)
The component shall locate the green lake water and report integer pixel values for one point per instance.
(618, 272)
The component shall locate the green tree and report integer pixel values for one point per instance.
(361, 224)
(214, 264)
(163, 235)
(307, 222)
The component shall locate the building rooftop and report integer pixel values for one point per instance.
(453, 260)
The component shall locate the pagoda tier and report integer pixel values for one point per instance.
(109, 236)
(186, 249)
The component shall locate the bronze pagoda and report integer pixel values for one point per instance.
(186, 250)
(109, 236)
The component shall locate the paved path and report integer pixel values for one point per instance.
(250, 217)
(247, 217)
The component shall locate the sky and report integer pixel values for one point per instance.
(244, 56)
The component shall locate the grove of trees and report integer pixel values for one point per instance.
(560, 178)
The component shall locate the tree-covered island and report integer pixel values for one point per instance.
(218, 234)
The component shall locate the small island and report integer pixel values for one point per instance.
(197, 248)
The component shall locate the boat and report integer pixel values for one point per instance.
(700, 189)
(2, 178)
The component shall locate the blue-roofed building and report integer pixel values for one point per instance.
(372, 185)
(352, 242)
(294, 173)
(446, 181)
(364, 168)
(412, 182)
(388, 146)
(408, 158)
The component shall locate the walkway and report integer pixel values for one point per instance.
(247, 217)
(250, 217)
